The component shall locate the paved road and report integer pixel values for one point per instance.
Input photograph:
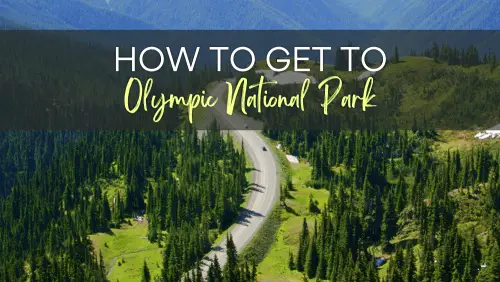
(265, 189)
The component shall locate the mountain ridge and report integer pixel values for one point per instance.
(71, 14)
(253, 14)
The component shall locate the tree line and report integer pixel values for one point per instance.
(385, 185)
(54, 194)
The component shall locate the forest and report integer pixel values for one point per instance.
(441, 86)
(52, 200)
(381, 185)
(434, 213)
(394, 192)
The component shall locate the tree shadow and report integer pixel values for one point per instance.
(110, 232)
(314, 209)
(206, 261)
(255, 184)
(249, 169)
(246, 215)
(290, 210)
(256, 187)
(217, 248)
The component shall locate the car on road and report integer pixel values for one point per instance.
(264, 148)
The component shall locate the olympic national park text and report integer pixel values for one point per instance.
(138, 97)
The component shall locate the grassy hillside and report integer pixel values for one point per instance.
(447, 95)
(413, 91)
(124, 249)
(274, 267)
(469, 214)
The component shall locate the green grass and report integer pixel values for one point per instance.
(299, 198)
(112, 187)
(274, 267)
(382, 271)
(260, 245)
(130, 244)
(463, 140)
(429, 87)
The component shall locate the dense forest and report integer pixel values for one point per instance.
(67, 81)
(383, 184)
(51, 196)
(390, 190)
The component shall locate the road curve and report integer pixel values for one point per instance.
(265, 189)
(265, 186)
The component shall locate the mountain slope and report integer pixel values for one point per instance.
(71, 14)
(253, 14)
(247, 14)
(429, 14)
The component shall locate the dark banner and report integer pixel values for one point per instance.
(283, 80)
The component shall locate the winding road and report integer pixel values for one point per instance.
(265, 187)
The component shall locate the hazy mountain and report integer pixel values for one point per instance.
(244, 14)
(253, 14)
(7, 24)
(429, 14)
(67, 14)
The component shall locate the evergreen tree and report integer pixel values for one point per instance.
(291, 261)
(146, 275)
(303, 246)
(231, 271)
(312, 258)
(410, 266)
(389, 221)
(491, 270)
(215, 273)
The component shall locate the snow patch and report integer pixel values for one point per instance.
(292, 159)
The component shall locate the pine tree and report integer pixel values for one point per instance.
(291, 262)
(491, 271)
(410, 266)
(322, 265)
(312, 258)
(215, 273)
(146, 275)
(395, 271)
(371, 272)
(231, 271)
(303, 245)
(427, 261)
(389, 221)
